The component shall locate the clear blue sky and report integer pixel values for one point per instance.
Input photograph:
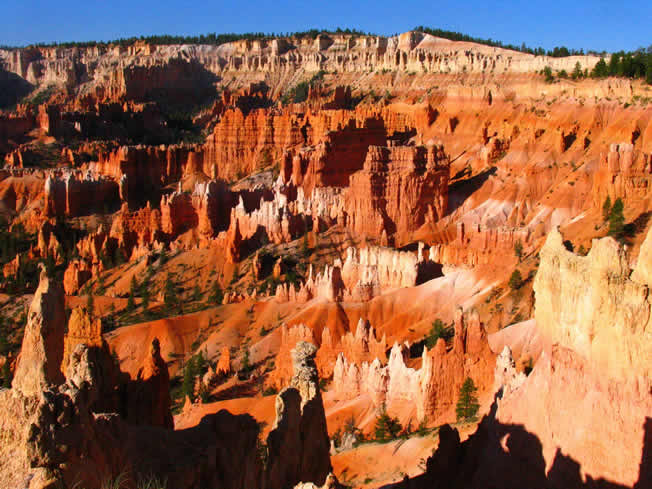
(588, 24)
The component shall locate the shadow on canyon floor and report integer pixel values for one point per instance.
(507, 456)
(461, 190)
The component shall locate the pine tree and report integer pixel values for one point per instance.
(246, 363)
(606, 209)
(467, 404)
(577, 71)
(170, 294)
(518, 249)
(305, 248)
(133, 291)
(438, 330)
(387, 428)
(90, 305)
(196, 294)
(600, 70)
(189, 374)
(216, 293)
(4, 344)
(617, 220)
(145, 296)
(6, 375)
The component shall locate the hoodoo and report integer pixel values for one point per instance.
(325, 259)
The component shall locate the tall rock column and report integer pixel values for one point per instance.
(298, 445)
(41, 354)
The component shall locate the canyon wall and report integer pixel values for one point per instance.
(398, 190)
(366, 273)
(597, 320)
(624, 173)
(588, 394)
(141, 71)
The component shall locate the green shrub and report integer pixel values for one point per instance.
(515, 280)
(386, 428)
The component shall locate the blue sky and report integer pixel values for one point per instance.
(588, 24)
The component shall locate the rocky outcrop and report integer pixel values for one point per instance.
(41, 354)
(220, 373)
(276, 219)
(331, 483)
(597, 320)
(141, 71)
(431, 391)
(136, 230)
(542, 429)
(298, 445)
(223, 366)
(76, 275)
(72, 194)
(149, 392)
(366, 273)
(591, 306)
(143, 170)
(233, 243)
(506, 377)
(398, 190)
(82, 329)
(622, 172)
(473, 245)
(290, 337)
(361, 346)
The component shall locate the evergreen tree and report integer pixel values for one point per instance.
(196, 294)
(201, 365)
(617, 220)
(145, 296)
(4, 345)
(600, 70)
(90, 305)
(438, 330)
(577, 71)
(467, 404)
(606, 209)
(305, 248)
(614, 65)
(216, 293)
(246, 363)
(6, 375)
(386, 428)
(170, 293)
(518, 249)
(189, 374)
(133, 291)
